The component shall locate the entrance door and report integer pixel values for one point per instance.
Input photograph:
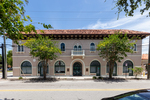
(77, 69)
(115, 71)
(98, 71)
(130, 71)
(41, 71)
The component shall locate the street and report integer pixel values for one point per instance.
(67, 89)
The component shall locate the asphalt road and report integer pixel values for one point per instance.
(67, 90)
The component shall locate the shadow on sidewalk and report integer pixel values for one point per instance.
(40, 80)
(107, 80)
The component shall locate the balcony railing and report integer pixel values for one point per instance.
(78, 53)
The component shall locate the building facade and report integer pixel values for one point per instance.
(79, 55)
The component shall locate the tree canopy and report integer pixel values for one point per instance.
(129, 6)
(43, 48)
(12, 19)
(114, 48)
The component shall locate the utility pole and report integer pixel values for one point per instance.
(3, 61)
(5, 58)
(148, 68)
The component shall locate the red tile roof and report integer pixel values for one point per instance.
(144, 56)
(90, 31)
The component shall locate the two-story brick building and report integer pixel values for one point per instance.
(79, 56)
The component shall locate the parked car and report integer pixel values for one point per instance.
(133, 95)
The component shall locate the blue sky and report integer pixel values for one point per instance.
(84, 14)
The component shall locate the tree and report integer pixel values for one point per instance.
(129, 6)
(137, 70)
(9, 58)
(43, 48)
(12, 18)
(114, 48)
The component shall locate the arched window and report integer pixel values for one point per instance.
(62, 46)
(40, 67)
(92, 47)
(79, 48)
(75, 48)
(114, 69)
(94, 66)
(59, 67)
(26, 68)
(126, 65)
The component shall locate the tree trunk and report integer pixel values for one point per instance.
(111, 67)
(45, 70)
(110, 72)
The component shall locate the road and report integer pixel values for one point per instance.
(67, 89)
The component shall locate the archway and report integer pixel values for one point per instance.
(77, 69)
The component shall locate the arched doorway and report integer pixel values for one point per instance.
(77, 69)
(40, 68)
(114, 69)
(127, 67)
(95, 67)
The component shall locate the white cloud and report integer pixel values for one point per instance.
(114, 23)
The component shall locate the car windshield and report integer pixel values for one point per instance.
(134, 97)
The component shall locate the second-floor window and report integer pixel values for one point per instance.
(92, 47)
(20, 48)
(134, 48)
(77, 48)
(62, 46)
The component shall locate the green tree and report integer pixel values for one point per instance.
(114, 48)
(129, 6)
(137, 70)
(43, 48)
(12, 19)
(9, 58)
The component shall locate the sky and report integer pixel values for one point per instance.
(84, 14)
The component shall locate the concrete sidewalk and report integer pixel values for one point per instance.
(76, 77)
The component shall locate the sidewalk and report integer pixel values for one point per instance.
(77, 77)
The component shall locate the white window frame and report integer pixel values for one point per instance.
(94, 47)
(20, 48)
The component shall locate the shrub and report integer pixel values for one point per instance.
(20, 78)
(137, 70)
(94, 77)
(100, 77)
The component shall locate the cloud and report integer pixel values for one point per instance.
(114, 23)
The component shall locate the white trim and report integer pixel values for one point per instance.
(85, 56)
(71, 65)
(16, 67)
(130, 60)
(21, 56)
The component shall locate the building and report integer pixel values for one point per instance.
(144, 62)
(79, 56)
